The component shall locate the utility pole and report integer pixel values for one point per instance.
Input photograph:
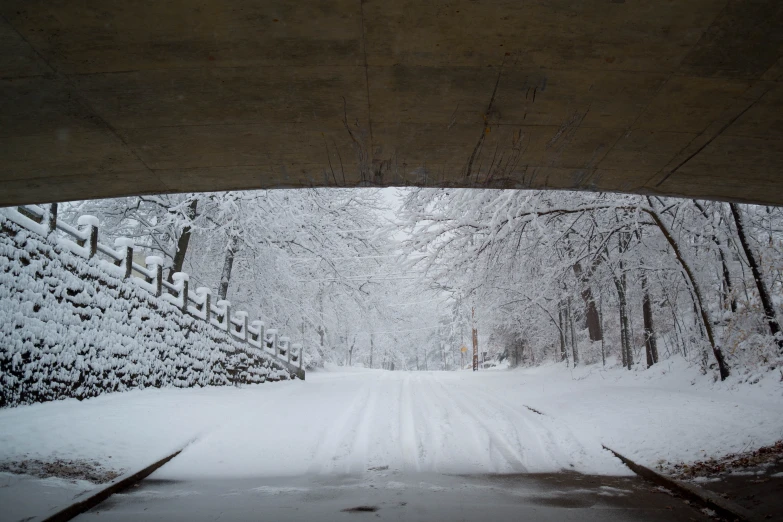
(475, 340)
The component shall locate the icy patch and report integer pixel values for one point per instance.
(609, 491)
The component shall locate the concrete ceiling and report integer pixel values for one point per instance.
(104, 98)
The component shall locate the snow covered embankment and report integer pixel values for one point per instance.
(68, 328)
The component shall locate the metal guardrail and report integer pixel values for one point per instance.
(83, 241)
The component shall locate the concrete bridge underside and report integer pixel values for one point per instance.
(104, 98)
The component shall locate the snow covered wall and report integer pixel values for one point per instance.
(69, 328)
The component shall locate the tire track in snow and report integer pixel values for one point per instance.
(516, 437)
(422, 411)
(332, 438)
(556, 439)
(434, 423)
(512, 458)
(559, 435)
(431, 422)
(547, 448)
(383, 442)
(452, 456)
(447, 436)
(358, 451)
(409, 445)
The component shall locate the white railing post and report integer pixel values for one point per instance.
(204, 294)
(181, 284)
(284, 349)
(91, 231)
(271, 340)
(297, 349)
(259, 325)
(125, 246)
(155, 265)
(225, 305)
(242, 315)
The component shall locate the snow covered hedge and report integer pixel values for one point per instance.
(69, 328)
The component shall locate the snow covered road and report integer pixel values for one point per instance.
(348, 423)
(356, 423)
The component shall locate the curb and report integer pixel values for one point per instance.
(90, 499)
(724, 508)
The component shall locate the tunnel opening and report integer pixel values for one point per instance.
(449, 276)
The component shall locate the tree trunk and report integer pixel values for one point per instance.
(623, 340)
(650, 344)
(729, 301)
(627, 354)
(321, 328)
(372, 348)
(679, 338)
(601, 317)
(182, 243)
(350, 351)
(723, 368)
(621, 283)
(228, 264)
(761, 286)
(442, 356)
(591, 316)
(574, 349)
(727, 296)
(560, 314)
(592, 320)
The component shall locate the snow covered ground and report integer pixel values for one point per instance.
(349, 422)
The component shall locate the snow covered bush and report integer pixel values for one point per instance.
(69, 328)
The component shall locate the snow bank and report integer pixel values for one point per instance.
(69, 328)
(668, 413)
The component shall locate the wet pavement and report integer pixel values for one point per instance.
(757, 489)
(382, 494)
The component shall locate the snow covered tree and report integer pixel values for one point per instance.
(525, 257)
